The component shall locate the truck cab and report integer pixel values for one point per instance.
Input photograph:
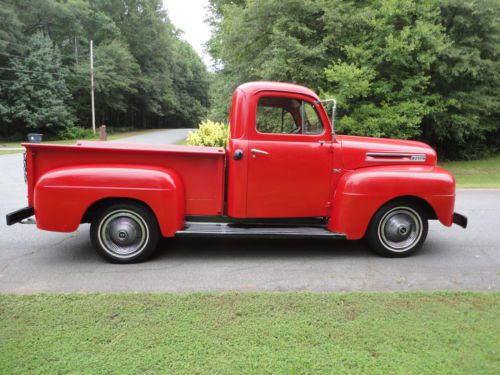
(285, 173)
(280, 153)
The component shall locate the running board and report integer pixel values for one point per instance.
(199, 229)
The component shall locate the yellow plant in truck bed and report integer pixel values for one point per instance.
(210, 133)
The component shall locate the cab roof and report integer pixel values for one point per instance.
(257, 86)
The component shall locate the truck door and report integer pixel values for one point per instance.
(290, 159)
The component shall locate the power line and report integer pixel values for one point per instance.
(31, 71)
(9, 42)
(10, 54)
(44, 84)
(25, 44)
(31, 83)
(66, 75)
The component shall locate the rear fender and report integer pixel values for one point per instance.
(360, 193)
(62, 196)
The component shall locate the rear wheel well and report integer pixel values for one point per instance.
(422, 203)
(99, 205)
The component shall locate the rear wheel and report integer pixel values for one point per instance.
(125, 233)
(398, 229)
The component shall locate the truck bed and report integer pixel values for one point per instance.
(200, 168)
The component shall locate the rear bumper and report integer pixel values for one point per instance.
(20, 215)
(460, 220)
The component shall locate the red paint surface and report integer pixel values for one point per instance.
(63, 181)
(63, 195)
(360, 193)
(301, 176)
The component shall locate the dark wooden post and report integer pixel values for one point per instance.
(102, 133)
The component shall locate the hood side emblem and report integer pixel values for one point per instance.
(394, 157)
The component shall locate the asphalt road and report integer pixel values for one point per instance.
(451, 259)
(161, 137)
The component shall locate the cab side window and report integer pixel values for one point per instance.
(312, 122)
(279, 115)
(275, 115)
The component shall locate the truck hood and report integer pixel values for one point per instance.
(360, 152)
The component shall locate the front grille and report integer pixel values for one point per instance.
(25, 165)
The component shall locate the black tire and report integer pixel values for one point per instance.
(125, 232)
(397, 229)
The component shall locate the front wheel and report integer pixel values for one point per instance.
(398, 229)
(125, 233)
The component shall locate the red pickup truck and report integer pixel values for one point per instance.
(285, 173)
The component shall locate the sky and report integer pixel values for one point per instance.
(189, 16)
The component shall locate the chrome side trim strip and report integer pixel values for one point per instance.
(395, 157)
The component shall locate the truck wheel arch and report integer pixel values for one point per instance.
(358, 229)
(66, 197)
(426, 207)
(361, 193)
(101, 204)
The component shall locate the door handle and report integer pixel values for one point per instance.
(257, 151)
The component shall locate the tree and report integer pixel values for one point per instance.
(190, 83)
(115, 76)
(467, 78)
(382, 80)
(10, 33)
(424, 69)
(145, 74)
(171, 74)
(275, 40)
(38, 97)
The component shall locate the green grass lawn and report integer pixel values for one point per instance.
(73, 141)
(247, 333)
(476, 173)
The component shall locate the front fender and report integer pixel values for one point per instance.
(62, 196)
(360, 193)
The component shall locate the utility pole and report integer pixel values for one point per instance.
(92, 84)
(76, 51)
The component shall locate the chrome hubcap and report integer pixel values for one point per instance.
(123, 233)
(400, 229)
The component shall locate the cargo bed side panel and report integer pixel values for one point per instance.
(201, 171)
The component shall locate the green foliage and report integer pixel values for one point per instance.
(38, 97)
(145, 74)
(382, 81)
(467, 78)
(212, 134)
(115, 75)
(75, 132)
(250, 333)
(425, 70)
